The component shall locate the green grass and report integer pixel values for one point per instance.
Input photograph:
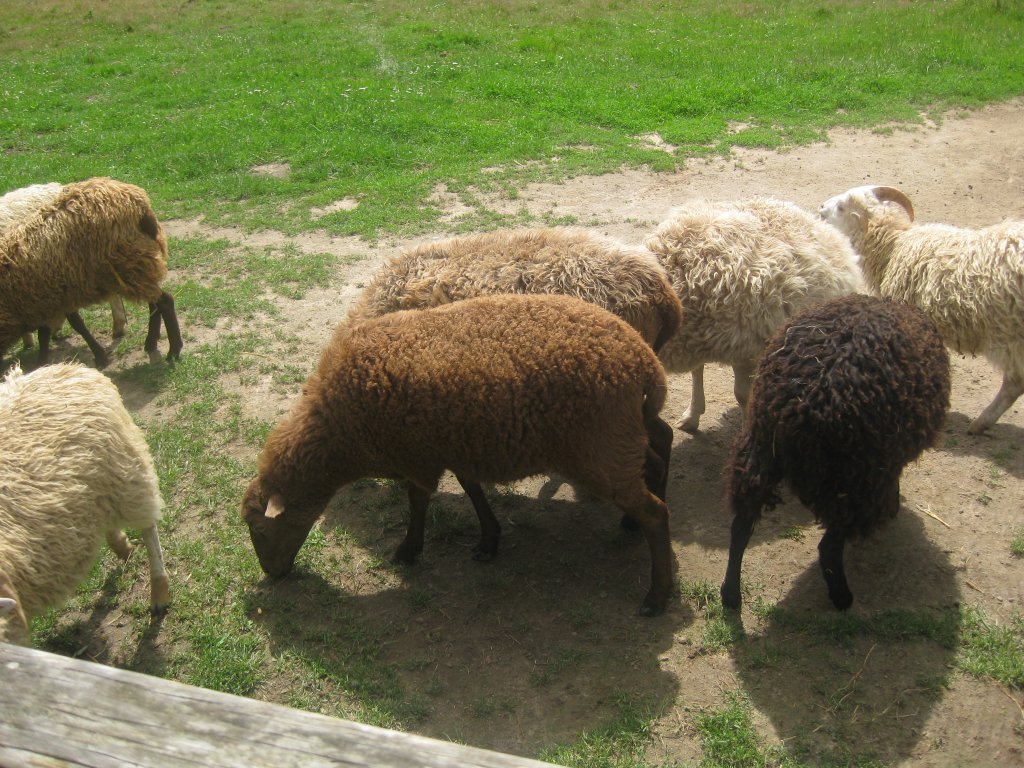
(380, 102)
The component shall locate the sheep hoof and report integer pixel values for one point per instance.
(405, 555)
(627, 523)
(482, 555)
(978, 427)
(730, 597)
(843, 600)
(690, 425)
(652, 607)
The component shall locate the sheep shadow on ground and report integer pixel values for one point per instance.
(98, 634)
(862, 682)
(1002, 443)
(544, 642)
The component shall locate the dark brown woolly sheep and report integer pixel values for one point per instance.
(846, 394)
(98, 239)
(493, 389)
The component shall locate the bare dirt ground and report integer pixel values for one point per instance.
(540, 645)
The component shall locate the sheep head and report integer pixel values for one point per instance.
(13, 622)
(851, 211)
(277, 533)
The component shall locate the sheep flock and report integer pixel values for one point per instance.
(501, 355)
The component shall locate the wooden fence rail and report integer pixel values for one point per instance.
(56, 711)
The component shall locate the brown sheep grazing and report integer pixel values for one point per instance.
(845, 395)
(493, 389)
(98, 239)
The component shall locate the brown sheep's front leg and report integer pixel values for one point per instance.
(165, 305)
(490, 529)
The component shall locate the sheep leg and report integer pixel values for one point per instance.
(651, 515)
(742, 528)
(691, 417)
(158, 587)
(119, 543)
(490, 529)
(742, 381)
(153, 333)
(97, 351)
(165, 306)
(44, 345)
(830, 555)
(119, 317)
(1012, 388)
(412, 545)
(659, 451)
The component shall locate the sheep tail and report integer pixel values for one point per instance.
(670, 318)
(655, 394)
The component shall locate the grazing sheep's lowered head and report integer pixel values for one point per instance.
(493, 389)
(845, 395)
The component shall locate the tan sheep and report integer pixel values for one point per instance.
(18, 205)
(97, 239)
(970, 282)
(625, 280)
(493, 389)
(75, 469)
(740, 270)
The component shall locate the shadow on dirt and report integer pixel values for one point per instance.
(863, 682)
(1002, 444)
(529, 649)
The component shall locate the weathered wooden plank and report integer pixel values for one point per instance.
(56, 711)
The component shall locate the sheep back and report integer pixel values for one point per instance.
(970, 282)
(96, 239)
(627, 281)
(21, 203)
(846, 394)
(741, 269)
(74, 466)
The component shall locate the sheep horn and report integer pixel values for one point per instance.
(895, 196)
(275, 505)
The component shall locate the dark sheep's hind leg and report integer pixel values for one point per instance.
(166, 306)
(830, 555)
(742, 527)
(490, 529)
(97, 351)
(43, 357)
(153, 334)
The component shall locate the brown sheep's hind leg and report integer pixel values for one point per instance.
(651, 515)
(44, 345)
(490, 529)
(830, 555)
(97, 351)
(412, 545)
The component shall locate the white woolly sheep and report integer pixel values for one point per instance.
(97, 239)
(970, 282)
(75, 469)
(493, 389)
(19, 204)
(625, 280)
(741, 269)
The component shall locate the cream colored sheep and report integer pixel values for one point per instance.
(75, 469)
(96, 240)
(625, 280)
(740, 270)
(970, 282)
(18, 205)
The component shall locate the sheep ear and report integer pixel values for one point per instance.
(895, 196)
(7, 605)
(275, 505)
